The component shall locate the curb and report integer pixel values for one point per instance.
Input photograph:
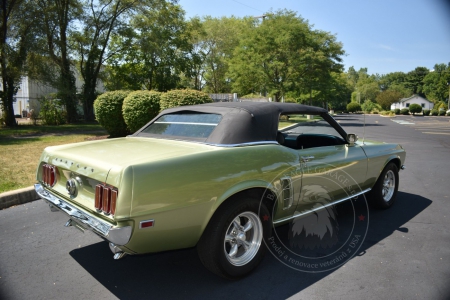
(18, 197)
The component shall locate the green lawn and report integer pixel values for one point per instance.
(21, 147)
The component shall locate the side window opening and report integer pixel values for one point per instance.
(302, 132)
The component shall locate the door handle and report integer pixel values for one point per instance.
(307, 158)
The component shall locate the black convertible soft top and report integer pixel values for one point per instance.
(246, 122)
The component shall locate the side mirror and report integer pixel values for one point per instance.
(352, 138)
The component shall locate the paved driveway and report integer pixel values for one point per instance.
(406, 254)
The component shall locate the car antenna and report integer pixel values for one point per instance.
(364, 127)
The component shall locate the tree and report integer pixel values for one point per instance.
(368, 106)
(415, 108)
(414, 80)
(222, 37)
(435, 84)
(338, 92)
(368, 91)
(386, 98)
(16, 38)
(157, 50)
(192, 77)
(102, 20)
(57, 16)
(396, 78)
(282, 54)
(400, 88)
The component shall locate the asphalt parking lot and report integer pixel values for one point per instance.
(405, 255)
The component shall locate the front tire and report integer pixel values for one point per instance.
(385, 189)
(232, 244)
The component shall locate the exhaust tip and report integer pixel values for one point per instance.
(118, 253)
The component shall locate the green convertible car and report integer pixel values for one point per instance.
(217, 176)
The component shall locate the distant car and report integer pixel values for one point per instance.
(211, 176)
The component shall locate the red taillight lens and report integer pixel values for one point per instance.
(106, 198)
(49, 175)
(114, 194)
(98, 196)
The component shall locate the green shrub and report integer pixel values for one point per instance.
(176, 98)
(387, 113)
(52, 111)
(353, 107)
(139, 108)
(404, 111)
(441, 112)
(434, 112)
(426, 112)
(415, 108)
(397, 111)
(108, 112)
(368, 106)
(443, 106)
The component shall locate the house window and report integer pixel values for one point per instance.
(407, 104)
(423, 105)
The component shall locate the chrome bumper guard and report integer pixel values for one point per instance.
(117, 235)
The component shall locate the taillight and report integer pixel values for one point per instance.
(106, 198)
(49, 175)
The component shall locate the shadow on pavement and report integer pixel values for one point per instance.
(177, 274)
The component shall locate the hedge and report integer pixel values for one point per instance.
(404, 111)
(353, 107)
(415, 108)
(139, 108)
(176, 98)
(108, 112)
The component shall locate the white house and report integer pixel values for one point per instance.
(406, 102)
(28, 94)
(30, 91)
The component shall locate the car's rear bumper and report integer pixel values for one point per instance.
(84, 220)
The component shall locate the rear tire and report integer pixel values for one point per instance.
(232, 244)
(384, 191)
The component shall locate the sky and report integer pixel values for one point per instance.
(384, 35)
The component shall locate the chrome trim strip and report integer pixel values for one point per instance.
(319, 208)
(118, 235)
(243, 144)
(188, 123)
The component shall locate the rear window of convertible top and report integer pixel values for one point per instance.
(189, 125)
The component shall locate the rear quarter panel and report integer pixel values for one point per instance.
(182, 194)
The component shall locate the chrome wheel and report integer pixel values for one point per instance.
(243, 238)
(388, 188)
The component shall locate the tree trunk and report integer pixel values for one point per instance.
(89, 97)
(67, 91)
(7, 101)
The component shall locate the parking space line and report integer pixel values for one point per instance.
(443, 133)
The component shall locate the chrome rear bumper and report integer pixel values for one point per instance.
(117, 235)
